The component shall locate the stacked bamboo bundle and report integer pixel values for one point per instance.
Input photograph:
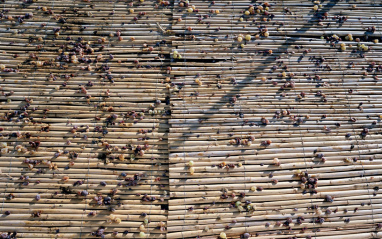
(86, 91)
(275, 129)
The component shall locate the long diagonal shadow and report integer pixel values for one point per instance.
(267, 61)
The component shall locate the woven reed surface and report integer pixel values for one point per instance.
(153, 119)
(78, 152)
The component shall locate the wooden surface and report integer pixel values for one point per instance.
(233, 125)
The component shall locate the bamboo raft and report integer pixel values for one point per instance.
(190, 119)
